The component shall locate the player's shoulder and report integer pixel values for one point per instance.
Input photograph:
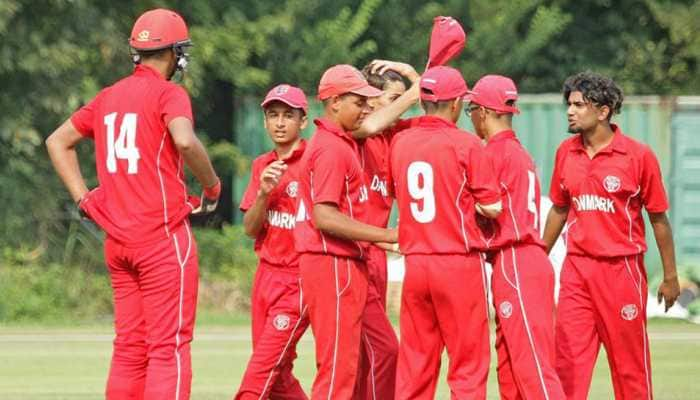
(635, 146)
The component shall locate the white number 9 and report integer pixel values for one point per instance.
(421, 171)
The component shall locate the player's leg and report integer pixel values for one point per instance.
(621, 294)
(127, 372)
(421, 345)
(523, 289)
(269, 370)
(507, 385)
(335, 289)
(459, 293)
(576, 338)
(169, 278)
(258, 304)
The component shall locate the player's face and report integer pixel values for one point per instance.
(283, 123)
(351, 111)
(583, 116)
(392, 91)
(476, 114)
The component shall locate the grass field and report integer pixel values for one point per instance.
(61, 363)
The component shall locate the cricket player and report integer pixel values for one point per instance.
(278, 313)
(331, 232)
(441, 179)
(143, 131)
(602, 179)
(523, 278)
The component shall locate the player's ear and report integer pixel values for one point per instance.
(304, 121)
(265, 118)
(604, 113)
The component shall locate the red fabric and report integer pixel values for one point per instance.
(442, 83)
(155, 296)
(335, 289)
(343, 78)
(523, 296)
(158, 29)
(275, 242)
(494, 92)
(443, 305)
(606, 195)
(143, 206)
(446, 41)
(289, 95)
(603, 301)
(441, 220)
(331, 173)
(520, 190)
(279, 321)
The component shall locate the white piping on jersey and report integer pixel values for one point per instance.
(527, 324)
(311, 184)
(567, 229)
(503, 271)
(371, 367)
(347, 197)
(338, 292)
(162, 185)
(461, 215)
(484, 280)
(629, 217)
(638, 285)
(510, 211)
(179, 313)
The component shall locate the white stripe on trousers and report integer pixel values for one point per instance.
(638, 285)
(179, 316)
(338, 293)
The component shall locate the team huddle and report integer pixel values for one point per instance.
(319, 212)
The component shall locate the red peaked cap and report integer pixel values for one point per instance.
(493, 92)
(343, 78)
(159, 29)
(446, 41)
(289, 95)
(442, 83)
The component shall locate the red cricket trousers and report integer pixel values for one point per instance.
(278, 322)
(603, 301)
(155, 297)
(335, 289)
(380, 346)
(523, 296)
(443, 304)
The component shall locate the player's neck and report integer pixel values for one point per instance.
(285, 150)
(597, 138)
(161, 66)
(495, 127)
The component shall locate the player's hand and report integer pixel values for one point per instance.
(669, 290)
(270, 176)
(209, 199)
(392, 247)
(381, 66)
(392, 236)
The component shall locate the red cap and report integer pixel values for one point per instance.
(446, 41)
(344, 78)
(442, 83)
(493, 91)
(158, 29)
(287, 94)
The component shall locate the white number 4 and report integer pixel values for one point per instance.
(124, 147)
(531, 205)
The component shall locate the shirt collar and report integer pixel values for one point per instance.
(145, 70)
(508, 134)
(617, 144)
(435, 121)
(271, 156)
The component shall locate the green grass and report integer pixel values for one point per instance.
(71, 363)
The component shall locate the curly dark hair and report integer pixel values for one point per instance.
(597, 89)
(379, 81)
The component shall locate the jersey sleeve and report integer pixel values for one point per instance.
(481, 178)
(557, 192)
(251, 191)
(175, 102)
(83, 119)
(653, 193)
(328, 171)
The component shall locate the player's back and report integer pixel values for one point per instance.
(142, 194)
(439, 174)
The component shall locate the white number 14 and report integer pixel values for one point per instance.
(124, 147)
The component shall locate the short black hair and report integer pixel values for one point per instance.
(379, 81)
(597, 89)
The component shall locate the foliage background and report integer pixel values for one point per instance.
(56, 54)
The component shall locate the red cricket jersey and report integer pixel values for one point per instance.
(331, 173)
(142, 193)
(439, 173)
(275, 242)
(606, 195)
(520, 194)
(374, 158)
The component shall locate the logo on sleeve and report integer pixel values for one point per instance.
(506, 309)
(612, 183)
(629, 312)
(292, 189)
(281, 322)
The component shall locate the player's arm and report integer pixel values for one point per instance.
(482, 181)
(61, 147)
(379, 120)
(329, 219)
(669, 290)
(556, 219)
(254, 218)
